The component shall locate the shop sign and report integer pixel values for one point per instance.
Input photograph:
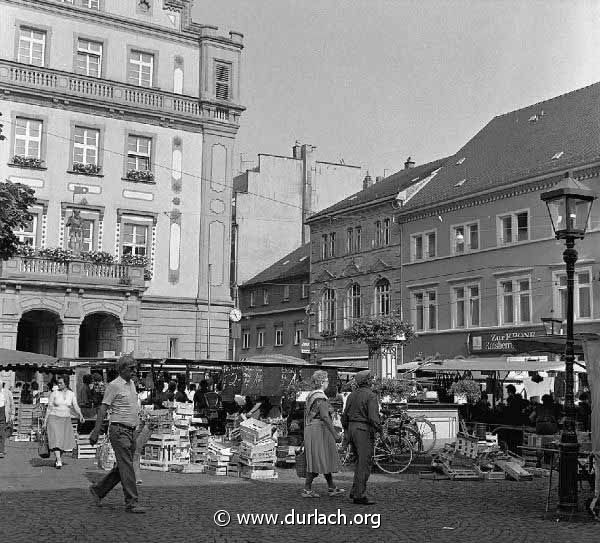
(305, 347)
(501, 341)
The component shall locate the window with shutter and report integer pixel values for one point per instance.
(223, 81)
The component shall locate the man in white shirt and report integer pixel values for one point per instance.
(122, 400)
(7, 413)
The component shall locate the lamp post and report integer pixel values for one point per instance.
(569, 207)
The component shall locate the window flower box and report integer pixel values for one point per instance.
(27, 162)
(144, 176)
(98, 257)
(86, 169)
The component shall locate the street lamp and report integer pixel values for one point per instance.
(389, 355)
(569, 207)
(553, 326)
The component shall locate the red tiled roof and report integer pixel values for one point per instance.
(521, 144)
(294, 264)
(386, 188)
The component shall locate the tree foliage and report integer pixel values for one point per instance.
(15, 201)
(379, 330)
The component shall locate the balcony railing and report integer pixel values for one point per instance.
(75, 272)
(115, 93)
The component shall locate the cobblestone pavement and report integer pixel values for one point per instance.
(42, 504)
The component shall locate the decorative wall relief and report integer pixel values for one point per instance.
(174, 246)
(177, 165)
(216, 234)
(218, 175)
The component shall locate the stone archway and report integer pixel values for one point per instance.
(38, 332)
(100, 332)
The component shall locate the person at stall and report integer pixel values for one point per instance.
(180, 395)
(544, 417)
(584, 412)
(122, 400)
(58, 420)
(85, 393)
(320, 437)
(191, 390)
(361, 420)
(169, 394)
(35, 392)
(26, 396)
(7, 414)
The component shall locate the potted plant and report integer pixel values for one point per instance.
(57, 254)
(27, 161)
(98, 257)
(86, 169)
(140, 175)
(392, 390)
(465, 391)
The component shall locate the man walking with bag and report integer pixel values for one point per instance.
(361, 421)
(122, 400)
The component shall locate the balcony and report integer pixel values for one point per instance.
(113, 94)
(74, 273)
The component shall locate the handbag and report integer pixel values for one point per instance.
(301, 462)
(43, 450)
(105, 456)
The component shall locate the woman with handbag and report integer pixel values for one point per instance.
(320, 437)
(58, 420)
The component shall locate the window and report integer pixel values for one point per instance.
(260, 338)
(87, 242)
(222, 81)
(85, 145)
(349, 240)
(465, 238)
(91, 4)
(582, 295)
(358, 239)
(32, 46)
(514, 300)
(252, 299)
(324, 246)
(423, 246)
(425, 310)
(286, 292)
(297, 336)
(465, 306)
(378, 234)
(89, 58)
(245, 339)
(332, 244)
(173, 347)
(513, 228)
(304, 290)
(138, 153)
(28, 233)
(353, 305)
(386, 231)
(382, 297)
(327, 311)
(28, 138)
(265, 296)
(141, 68)
(135, 239)
(278, 337)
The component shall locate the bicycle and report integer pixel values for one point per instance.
(419, 431)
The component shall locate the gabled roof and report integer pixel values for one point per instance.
(536, 140)
(386, 188)
(294, 264)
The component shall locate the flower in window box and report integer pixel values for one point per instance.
(26, 250)
(88, 169)
(140, 175)
(27, 161)
(134, 260)
(57, 254)
(98, 257)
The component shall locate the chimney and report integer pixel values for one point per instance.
(409, 163)
(297, 150)
(367, 181)
(379, 178)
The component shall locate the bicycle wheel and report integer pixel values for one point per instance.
(393, 454)
(414, 438)
(428, 434)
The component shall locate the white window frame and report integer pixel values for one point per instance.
(427, 305)
(349, 240)
(286, 293)
(513, 215)
(137, 62)
(298, 336)
(252, 298)
(328, 311)
(29, 41)
(138, 155)
(558, 289)
(134, 246)
(331, 244)
(426, 245)
(305, 290)
(260, 338)
(517, 295)
(265, 296)
(467, 242)
(91, 4)
(383, 298)
(87, 240)
(357, 239)
(386, 225)
(245, 339)
(84, 50)
(85, 148)
(24, 234)
(467, 300)
(351, 299)
(324, 246)
(28, 138)
(278, 337)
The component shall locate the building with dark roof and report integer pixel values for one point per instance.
(273, 305)
(479, 261)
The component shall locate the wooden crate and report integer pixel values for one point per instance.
(250, 472)
(491, 475)
(514, 470)
(460, 473)
(84, 449)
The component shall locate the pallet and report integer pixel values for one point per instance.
(514, 470)
(491, 475)
(460, 473)
(158, 465)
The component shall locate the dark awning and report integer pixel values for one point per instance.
(15, 360)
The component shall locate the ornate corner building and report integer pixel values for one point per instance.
(122, 116)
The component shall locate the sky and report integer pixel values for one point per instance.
(371, 82)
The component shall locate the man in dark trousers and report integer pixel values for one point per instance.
(361, 421)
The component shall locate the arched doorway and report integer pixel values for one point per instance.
(37, 332)
(100, 332)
